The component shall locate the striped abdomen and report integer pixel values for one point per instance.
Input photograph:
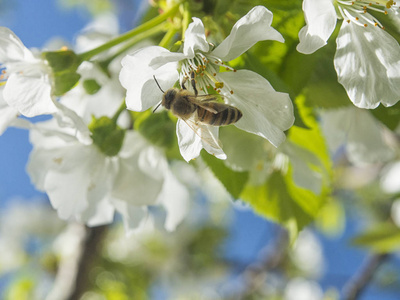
(223, 117)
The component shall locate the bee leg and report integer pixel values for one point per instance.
(193, 81)
(183, 83)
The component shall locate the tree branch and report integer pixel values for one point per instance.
(72, 277)
(272, 257)
(362, 278)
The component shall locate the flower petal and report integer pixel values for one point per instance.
(195, 39)
(134, 217)
(7, 115)
(30, 95)
(11, 47)
(175, 199)
(266, 112)
(250, 29)
(137, 78)
(191, 139)
(139, 179)
(367, 62)
(320, 16)
(362, 134)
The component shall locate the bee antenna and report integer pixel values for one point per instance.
(158, 105)
(158, 87)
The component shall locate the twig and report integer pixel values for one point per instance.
(362, 278)
(73, 273)
(272, 257)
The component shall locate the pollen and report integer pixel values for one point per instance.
(231, 92)
(58, 160)
(219, 85)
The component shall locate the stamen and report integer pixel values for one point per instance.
(3, 75)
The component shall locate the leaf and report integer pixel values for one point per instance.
(64, 65)
(283, 202)
(382, 238)
(233, 181)
(282, 198)
(390, 116)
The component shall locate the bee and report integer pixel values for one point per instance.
(194, 108)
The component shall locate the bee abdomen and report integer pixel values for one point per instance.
(228, 116)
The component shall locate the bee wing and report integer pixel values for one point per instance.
(208, 136)
(209, 103)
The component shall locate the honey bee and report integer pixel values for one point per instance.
(194, 108)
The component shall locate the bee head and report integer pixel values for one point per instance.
(169, 97)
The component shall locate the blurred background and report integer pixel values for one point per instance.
(221, 251)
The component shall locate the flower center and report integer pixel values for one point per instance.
(357, 10)
(3, 75)
(205, 68)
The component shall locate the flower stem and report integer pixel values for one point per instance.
(130, 34)
(186, 19)
(136, 39)
(166, 40)
(121, 108)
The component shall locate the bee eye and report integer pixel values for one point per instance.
(169, 96)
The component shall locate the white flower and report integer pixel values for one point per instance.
(265, 112)
(7, 115)
(362, 135)
(86, 185)
(367, 59)
(26, 82)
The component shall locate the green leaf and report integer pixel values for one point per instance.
(390, 116)
(64, 65)
(280, 198)
(62, 60)
(283, 202)
(63, 82)
(158, 128)
(234, 182)
(91, 86)
(107, 135)
(382, 238)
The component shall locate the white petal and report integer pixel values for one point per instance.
(132, 216)
(266, 112)
(253, 27)
(30, 95)
(11, 47)
(195, 39)
(367, 62)
(175, 198)
(137, 77)
(320, 16)
(359, 131)
(138, 182)
(306, 167)
(68, 179)
(390, 179)
(7, 115)
(68, 118)
(191, 139)
(100, 211)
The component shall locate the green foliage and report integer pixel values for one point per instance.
(158, 128)
(91, 86)
(107, 135)
(382, 238)
(233, 181)
(389, 116)
(280, 200)
(21, 289)
(64, 65)
(95, 7)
